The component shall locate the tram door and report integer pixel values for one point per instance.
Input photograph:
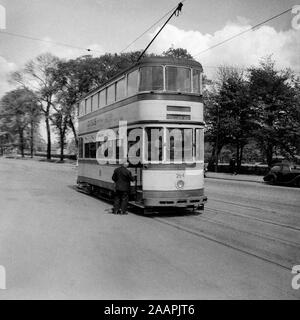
(135, 159)
(137, 186)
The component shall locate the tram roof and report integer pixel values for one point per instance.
(149, 61)
(169, 60)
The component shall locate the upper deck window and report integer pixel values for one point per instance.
(197, 81)
(178, 79)
(102, 98)
(81, 108)
(120, 89)
(88, 105)
(111, 94)
(132, 83)
(95, 102)
(151, 78)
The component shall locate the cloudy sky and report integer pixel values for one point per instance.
(110, 25)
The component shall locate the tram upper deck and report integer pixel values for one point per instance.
(158, 89)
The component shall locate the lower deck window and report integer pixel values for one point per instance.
(87, 150)
(80, 148)
(135, 145)
(171, 145)
(154, 144)
(90, 150)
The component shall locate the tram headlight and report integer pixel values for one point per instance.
(180, 184)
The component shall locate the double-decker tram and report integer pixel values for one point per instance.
(151, 116)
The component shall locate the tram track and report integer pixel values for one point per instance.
(258, 214)
(267, 221)
(246, 206)
(270, 248)
(210, 238)
(285, 242)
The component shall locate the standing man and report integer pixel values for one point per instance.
(232, 165)
(122, 178)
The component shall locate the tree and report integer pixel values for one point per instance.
(34, 114)
(60, 121)
(217, 128)
(275, 97)
(178, 53)
(61, 118)
(19, 115)
(228, 113)
(234, 99)
(37, 75)
(77, 77)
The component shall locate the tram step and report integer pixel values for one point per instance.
(136, 204)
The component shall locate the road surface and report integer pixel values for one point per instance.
(56, 243)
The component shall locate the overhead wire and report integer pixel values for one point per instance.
(152, 26)
(45, 41)
(243, 32)
(147, 30)
(62, 44)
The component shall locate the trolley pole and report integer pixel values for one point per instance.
(175, 12)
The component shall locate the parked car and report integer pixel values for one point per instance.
(284, 174)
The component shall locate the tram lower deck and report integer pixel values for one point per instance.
(155, 186)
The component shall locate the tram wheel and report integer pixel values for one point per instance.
(148, 211)
(198, 210)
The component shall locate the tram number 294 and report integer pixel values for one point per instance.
(180, 175)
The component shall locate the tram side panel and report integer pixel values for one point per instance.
(139, 111)
(93, 173)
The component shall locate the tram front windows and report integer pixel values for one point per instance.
(188, 146)
(154, 137)
(179, 144)
(199, 143)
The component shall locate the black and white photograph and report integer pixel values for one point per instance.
(150, 152)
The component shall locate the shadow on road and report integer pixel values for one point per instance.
(149, 213)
